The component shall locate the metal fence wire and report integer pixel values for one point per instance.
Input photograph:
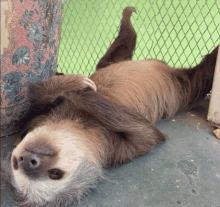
(179, 32)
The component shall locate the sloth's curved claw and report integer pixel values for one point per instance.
(129, 9)
(87, 82)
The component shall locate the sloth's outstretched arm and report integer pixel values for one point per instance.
(47, 91)
(49, 94)
(124, 44)
(135, 134)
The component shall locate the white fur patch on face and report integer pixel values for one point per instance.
(69, 142)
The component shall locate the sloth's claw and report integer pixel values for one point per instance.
(87, 82)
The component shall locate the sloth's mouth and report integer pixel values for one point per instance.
(55, 174)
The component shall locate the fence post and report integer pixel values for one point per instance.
(214, 106)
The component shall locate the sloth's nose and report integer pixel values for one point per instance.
(29, 162)
(34, 163)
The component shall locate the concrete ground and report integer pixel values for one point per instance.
(183, 171)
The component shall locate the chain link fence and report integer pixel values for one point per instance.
(179, 32)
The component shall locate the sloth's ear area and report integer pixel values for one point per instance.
(34, 110)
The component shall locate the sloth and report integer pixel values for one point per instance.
(76, 126)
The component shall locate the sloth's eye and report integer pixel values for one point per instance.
(55, 174)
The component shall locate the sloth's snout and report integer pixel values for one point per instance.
(35, 159)
(33, 164)
(28, 161)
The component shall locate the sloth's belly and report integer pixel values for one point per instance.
(141, 85)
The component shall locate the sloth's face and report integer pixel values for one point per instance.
(47, 161)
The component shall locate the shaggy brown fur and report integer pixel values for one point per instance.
(73, 129)
(124, 44)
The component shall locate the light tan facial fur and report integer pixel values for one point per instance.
(72, 146)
